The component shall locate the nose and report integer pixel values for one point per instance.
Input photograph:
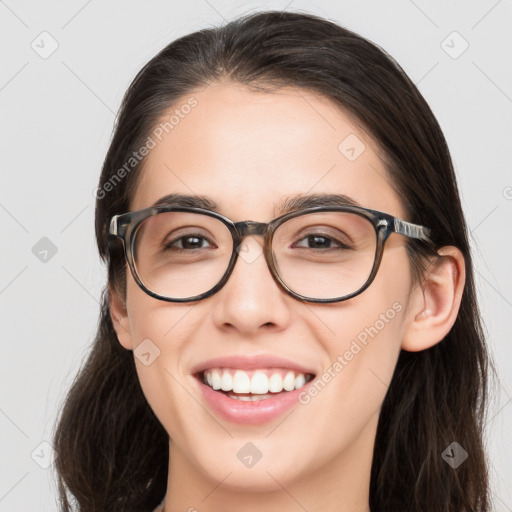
(251, 299)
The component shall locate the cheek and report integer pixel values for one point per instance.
(157, 335)
(363, 342)
(161, 322)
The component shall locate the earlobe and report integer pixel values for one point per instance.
(434, 303)
(120, 320)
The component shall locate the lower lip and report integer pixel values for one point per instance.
(250, 412)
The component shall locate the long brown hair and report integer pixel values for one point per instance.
(112, 452)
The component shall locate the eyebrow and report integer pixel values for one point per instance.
(286, 205)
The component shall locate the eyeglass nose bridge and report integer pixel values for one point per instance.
(250, 227)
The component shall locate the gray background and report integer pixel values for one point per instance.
(57, 117)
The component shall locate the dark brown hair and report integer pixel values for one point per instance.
(112, 452)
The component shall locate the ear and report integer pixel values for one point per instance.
(434, 303)
(120, 320)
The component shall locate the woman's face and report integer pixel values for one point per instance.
(248, 152)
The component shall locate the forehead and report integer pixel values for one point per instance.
(250, 151)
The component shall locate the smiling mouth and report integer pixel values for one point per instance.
(253, 385)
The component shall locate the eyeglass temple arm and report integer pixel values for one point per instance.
(411, 230)
(113, 225)
(119, 225)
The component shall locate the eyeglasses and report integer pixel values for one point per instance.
(318, 254)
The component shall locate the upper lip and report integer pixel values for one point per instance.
(246, 362)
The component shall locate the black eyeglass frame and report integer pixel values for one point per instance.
(124, 226)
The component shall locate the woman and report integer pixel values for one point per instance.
(290, 318)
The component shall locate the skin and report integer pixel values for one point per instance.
(248, 150)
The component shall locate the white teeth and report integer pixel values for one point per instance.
(261, 383)
(300, 380)
(216, 380)
(275, 383)
(289, 381)
(241, 382)
(227, 382)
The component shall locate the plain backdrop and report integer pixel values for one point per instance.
(64, 69)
